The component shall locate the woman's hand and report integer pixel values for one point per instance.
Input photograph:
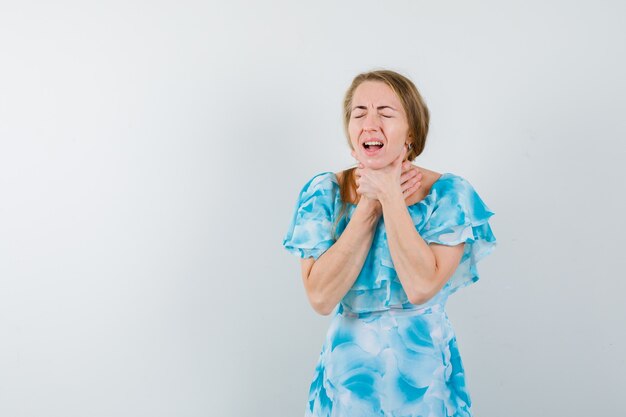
(410, 180)
(372, 184)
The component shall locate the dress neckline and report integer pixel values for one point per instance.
(336, 181)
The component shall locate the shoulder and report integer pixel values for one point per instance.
(321, 181)
(320, 187)
(452, 184)
(453, 190)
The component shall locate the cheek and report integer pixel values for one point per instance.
(353, 131)
(399, 132)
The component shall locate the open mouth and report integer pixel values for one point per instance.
(372, 146)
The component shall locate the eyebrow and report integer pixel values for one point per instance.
(377, 108)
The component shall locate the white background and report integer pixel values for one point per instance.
(151, 153)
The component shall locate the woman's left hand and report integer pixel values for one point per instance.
(376, 183)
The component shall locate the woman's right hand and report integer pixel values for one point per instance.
(410, 182)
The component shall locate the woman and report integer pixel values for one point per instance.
(387, 242)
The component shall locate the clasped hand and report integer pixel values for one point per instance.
(397, 177)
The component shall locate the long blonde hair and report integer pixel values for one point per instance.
(417, 115)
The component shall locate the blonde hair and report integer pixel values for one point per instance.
(417, 115)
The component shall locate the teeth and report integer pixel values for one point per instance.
(375, 142)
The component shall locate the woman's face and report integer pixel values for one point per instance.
(377, 116)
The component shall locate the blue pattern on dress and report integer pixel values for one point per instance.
(384, 356)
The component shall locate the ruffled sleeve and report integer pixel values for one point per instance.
(310, 231)
(460, 215)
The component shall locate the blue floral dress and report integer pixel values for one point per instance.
(382, 355)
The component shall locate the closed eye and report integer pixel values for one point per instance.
(388, 117)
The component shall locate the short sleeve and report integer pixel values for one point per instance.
(461, 216)
(310, 231)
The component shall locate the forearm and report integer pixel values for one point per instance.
(334, 273)
(413, 259)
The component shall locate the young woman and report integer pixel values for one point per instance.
(387, 242)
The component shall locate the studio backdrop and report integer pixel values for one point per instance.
(151, 154)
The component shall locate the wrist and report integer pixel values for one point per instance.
(391, 196)
(371, 208)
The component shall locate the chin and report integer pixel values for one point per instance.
(384, 160)
(378, 163)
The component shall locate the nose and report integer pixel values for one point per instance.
(371, 121)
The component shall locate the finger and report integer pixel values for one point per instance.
(406, 186)
(412, 173)
(415, 188)
(411, 187)
(406, 175)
